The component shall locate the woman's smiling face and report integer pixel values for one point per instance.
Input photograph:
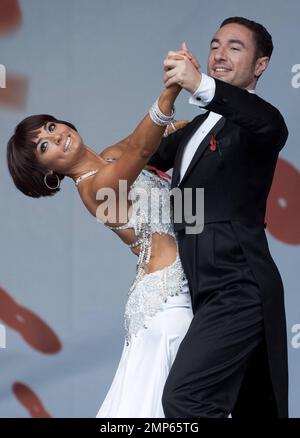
(58, 146)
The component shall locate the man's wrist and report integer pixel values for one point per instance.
(197, 83)
(205, 92)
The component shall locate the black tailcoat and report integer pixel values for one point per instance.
(236, 178)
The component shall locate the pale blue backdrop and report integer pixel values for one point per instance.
(98, 64)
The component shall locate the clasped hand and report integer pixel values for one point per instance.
(182, 69)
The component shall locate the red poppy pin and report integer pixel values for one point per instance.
(214, 145)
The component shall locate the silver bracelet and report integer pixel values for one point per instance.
(166, 133)
(160, 118)
(162, 115)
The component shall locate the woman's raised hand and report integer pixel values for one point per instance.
(181, 53)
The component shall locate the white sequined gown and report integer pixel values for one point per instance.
(157, 315)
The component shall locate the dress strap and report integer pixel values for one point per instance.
(137, 242)
(85, 175)
(118, 227)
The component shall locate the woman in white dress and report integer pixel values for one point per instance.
(158, 311)
(42, 151)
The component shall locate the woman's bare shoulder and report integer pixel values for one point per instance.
(110, 151)
(115, 150)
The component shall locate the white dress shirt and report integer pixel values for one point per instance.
(202, 97)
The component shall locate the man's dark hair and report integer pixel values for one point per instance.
(27, 173)
(262, 38)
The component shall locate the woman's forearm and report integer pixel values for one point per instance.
(146, 137)
(142, 144)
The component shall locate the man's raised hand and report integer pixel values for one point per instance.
(182, 68)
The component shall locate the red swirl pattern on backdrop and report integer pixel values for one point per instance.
(31, 327)
(10, 17)
(38, 335)
(283, 213)
(30, 401)
(14, 96)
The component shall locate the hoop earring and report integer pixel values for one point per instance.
(49, 187)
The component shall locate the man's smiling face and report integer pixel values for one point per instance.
(232, 57)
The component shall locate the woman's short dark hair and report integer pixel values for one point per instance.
(27, 173)
(262, 38)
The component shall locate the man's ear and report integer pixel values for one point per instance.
(260, 65)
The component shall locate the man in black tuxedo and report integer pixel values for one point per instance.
(234, 356)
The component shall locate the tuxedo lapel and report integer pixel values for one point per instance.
(203, 145)
(190, 130)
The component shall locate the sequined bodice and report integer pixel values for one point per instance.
(151, 213)
(150, 196)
